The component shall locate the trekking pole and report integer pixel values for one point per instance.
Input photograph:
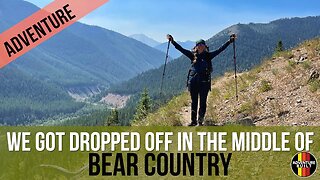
(165, 66)
(235, 67)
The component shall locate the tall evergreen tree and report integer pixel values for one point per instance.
(279, 47)
(143, 107)
(113, 119)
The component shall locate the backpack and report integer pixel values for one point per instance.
(209, 70)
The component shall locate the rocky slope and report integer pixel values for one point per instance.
(115, 100)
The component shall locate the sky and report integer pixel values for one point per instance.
(190, 19)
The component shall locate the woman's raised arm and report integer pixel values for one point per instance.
(215, 53)
(186, 52)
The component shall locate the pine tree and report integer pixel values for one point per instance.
(113, 119)
(279, 47)
(143, 107)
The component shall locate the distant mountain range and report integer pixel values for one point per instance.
(81, 58)
(173, 53)
(145, 39)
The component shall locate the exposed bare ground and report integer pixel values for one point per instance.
(81, 94)
(115, 100)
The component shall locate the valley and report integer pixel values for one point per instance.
(56, 77)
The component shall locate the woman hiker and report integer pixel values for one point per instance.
(199, 78)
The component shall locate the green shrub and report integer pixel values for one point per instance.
(275, 71)
(306, 65)
(230, 90)
(246, 108)
(249, 77)
(215, 93)
(285, 54)
(265, 86)
(314, 86)
(292, 64)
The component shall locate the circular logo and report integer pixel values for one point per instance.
(304, 164)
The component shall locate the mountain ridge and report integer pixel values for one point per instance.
(172, 51)
(80, 36)
(145, 39)
(174, 54)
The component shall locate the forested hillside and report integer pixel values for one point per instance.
(81, 55)
(79, 58)
(24, 98)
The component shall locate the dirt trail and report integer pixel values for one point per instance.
(185, 115)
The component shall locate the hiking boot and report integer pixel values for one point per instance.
(200, 121)
(193, 124)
